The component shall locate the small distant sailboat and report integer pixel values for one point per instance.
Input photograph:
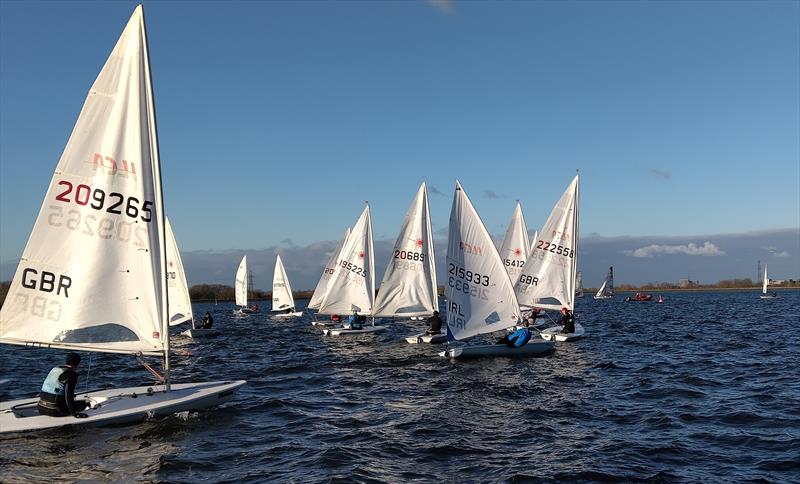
(480, 295)
(240, 290)
(104, 289)
(282, 298)
(352, 287)
(579, 284)
(549, 279)
(765, 287)
(606, 291)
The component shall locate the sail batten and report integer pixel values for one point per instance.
(93, 269)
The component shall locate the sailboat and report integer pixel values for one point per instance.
(765, 286)
(408, 287)
(516, 245)
(98, 283)
(606, 291)
(549, 277)
(282, 298)
(579, 285)
(352, 286)
(325, 280)
(480, 295)
(240, 290)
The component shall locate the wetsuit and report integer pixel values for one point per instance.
(208, 321)
(434, 325)
(568, 320)
(57, 398)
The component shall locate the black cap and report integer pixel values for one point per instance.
(72, 359)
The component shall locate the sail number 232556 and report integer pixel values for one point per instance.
(98, 199)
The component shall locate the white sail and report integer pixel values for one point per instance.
(480, 296)
(352, 287)
(91, 276)
(550, 271)
(408, 287)
(516, 246)
(281, 289)
(765, 284)
(607, 289)
(180, 305)
(327, 274)
(579, 285)
(240, 287)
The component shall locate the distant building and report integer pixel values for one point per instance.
(687, 283)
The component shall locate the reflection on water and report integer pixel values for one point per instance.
(693, 389)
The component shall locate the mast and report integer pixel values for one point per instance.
(575, 228)
(154, 147)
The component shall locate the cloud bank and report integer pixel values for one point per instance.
(707, 249)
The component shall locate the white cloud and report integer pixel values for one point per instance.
(776, 252)
(445, 6)
(782, 253)
(707, 249)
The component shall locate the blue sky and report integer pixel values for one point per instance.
(278, 119)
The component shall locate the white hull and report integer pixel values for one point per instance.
(604, 297)
(767, 296)
(324, 323)
(425, 338)
(353, 332)
(531, 349)
(554, 333)
(296, 314)
(239, 314)
(201, 332)
(120, 406)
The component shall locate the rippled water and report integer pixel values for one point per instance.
(704, 387)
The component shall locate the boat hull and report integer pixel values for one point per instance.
(601, 298)
(554, 333)
(353, 332)
(324, 323)
(201, 332)
(531, 350)
(425, 338)
(296, 314)
(120, 406)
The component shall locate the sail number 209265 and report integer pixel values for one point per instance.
(112, 202)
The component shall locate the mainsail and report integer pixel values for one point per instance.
(352, 287)
(240, 287)
(92, 274)
(327, 274)
(408, 287)
(480, 296)
(765, 284)
(550, 271)
(281, 289)
(180, 305)
(516, 246)
(607, 289)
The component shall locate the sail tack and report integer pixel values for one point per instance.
(408, 287)
(180, 305)
(550, 272)
(282, 297)
(352, 287)
(240, 287)
(92, 273)
(480, 296)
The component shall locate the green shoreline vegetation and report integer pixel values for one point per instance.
(223, 293)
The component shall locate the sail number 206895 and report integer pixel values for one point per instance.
(112, 202)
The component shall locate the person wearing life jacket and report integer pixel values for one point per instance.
(568, 320)
(335, 318)
(57, 398)
(517, 338)
(355, 321)
(208, 321)
(434, 324)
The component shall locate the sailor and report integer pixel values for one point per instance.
(568, 320)
(355, 321)
(335, 318)
(57, 398)
(208, 321)
(288, 310)
(434, 324)
(519, 337)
